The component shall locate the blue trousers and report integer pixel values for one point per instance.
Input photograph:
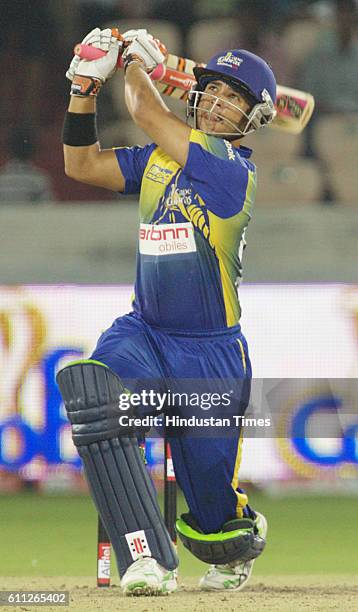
(206, 465)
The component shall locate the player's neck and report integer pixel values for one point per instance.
(237, 142)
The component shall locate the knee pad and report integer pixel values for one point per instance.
(237, 541)
(119, 482)
(91, 393)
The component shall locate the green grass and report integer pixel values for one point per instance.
(50, 536)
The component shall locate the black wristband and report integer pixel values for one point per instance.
(79, 129)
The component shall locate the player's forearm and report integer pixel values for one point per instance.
(82, 105)
(78, 161)
(77, 158)
(142, 99)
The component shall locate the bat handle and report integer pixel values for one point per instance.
(89, 52)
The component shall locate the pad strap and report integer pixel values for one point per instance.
(237, 541)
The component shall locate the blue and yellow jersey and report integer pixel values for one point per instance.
(192, 231)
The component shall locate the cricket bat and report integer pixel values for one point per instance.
(175, 78)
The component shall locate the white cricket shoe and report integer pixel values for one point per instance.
(146, 577)
(232, 576)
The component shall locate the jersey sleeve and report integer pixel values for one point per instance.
(225, 181)
(132, 162)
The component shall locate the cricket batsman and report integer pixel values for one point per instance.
(196, 188)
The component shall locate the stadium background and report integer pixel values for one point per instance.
(68, 262)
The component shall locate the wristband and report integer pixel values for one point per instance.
(84, 86)
(79, 129)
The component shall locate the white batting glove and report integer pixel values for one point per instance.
(82, 72)
(72, 69)
(143, 49)
(131, 35)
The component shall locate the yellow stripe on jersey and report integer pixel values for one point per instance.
(158, 173)
(232, 307)
(225, 237)
(250, 193)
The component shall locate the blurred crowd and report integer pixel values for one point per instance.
(310, 44)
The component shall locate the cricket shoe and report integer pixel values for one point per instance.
(146, 577)
(232, 576)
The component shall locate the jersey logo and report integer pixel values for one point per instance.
(230, 150)
(176, 197)
(166, 239)
(158, 175)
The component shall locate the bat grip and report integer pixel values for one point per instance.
(89, 52)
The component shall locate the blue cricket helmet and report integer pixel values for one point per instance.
(243, 70)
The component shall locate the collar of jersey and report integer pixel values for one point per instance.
(244, 151)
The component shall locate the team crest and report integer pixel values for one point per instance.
(229, 60)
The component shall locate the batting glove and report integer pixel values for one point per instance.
(88, 76)
(131, 35)
(144, 49)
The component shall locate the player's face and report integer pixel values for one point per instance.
(220, 107)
